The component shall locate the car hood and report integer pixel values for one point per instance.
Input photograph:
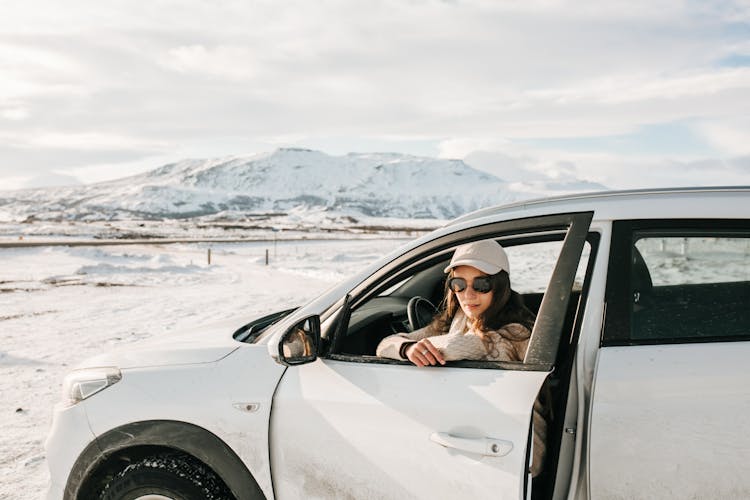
(201, 345)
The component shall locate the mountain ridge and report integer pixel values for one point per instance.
(363, 184)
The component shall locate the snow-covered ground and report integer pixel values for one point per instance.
(310, 224)
(60, 305)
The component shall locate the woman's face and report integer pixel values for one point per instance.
(472, 302)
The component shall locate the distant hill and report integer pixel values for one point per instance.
(370, 185)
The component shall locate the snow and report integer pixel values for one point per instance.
(287, 187)
(61, 305)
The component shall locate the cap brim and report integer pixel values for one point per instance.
(485, 267)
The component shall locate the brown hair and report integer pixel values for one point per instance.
(507, 307)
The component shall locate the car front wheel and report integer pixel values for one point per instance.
(166, 477)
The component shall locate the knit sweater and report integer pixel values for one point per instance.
(508, 343)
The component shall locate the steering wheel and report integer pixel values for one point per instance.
(420, 312)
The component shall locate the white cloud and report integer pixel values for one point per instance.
(14, 113)
(459, 147)
(81, 141)
(51, 179)
(48, 179)
(30, 71)
(104, 171)
(471, 75)
(612, 171)
(732, 138)
(11, 182)
(235, 63)
(618, 89)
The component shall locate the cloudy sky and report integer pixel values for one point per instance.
(625, 93)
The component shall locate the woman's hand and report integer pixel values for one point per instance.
(423, 353)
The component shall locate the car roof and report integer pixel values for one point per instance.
(685, 202)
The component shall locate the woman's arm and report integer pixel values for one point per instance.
(506, 344)
(391, 346)
(458, 346)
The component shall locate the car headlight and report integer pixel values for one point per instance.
(81, 384)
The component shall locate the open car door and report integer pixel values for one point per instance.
(365, 427)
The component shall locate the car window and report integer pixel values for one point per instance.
(531, 262)
(695, 260)
(689, 288)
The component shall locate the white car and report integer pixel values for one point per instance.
(642, 337)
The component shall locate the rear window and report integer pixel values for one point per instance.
(692, 287)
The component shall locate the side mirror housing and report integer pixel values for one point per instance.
(300, 343)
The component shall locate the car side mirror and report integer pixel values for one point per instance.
(299, 344)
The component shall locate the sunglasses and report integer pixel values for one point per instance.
(482, 284)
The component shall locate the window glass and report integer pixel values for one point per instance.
(532, 264)
(694, 260)
(692, 288)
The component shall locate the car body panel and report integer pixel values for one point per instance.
(68, 438)
(201, 345)
(671, 421)
(214, 396)
(342, 430)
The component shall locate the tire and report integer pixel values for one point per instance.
(173, 477)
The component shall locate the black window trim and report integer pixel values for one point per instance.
(616, 331)
(487, 365)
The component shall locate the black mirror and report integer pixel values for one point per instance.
(299, 344)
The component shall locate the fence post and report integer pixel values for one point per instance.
(266, 256)
(209, 256)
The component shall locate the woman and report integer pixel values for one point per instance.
(481, 319)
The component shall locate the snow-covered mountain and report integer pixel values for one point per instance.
(371, 185)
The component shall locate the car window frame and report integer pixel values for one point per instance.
(617, 321)
(543, 346)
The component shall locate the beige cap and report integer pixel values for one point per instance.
(486, 255)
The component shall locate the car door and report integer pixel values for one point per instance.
(672, 388)
(365, 427)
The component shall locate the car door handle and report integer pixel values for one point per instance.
(481, 446)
